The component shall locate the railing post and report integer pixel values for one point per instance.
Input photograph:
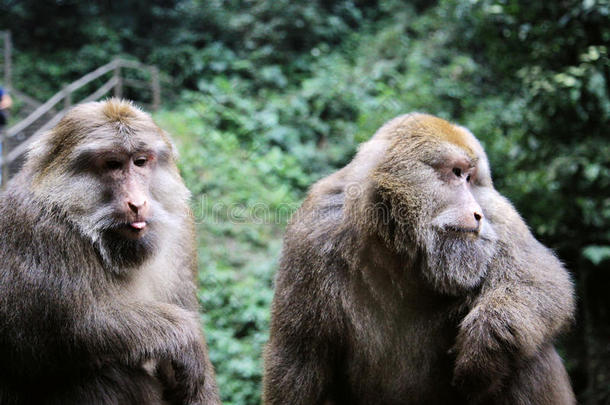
(155, 87)
(67, 98)
(4, 165)
(7, 60)
(118, 87)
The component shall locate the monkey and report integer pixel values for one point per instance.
(97, 268)
(406, 278)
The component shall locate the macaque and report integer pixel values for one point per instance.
(406, 278)
(97, 269)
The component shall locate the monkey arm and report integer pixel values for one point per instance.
(68, 326)
(514, 317)
(303, 343)
(296, 373)
(527, 309)
(133, 332)
(525, 301)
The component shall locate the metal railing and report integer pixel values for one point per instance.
(38, 118)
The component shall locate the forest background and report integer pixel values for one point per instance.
(264, 97)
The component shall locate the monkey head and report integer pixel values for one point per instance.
(433, 178)
(109, 170)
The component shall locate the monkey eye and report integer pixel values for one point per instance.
(113, 164)
(457, 171)
(141, 161)
(468, 178)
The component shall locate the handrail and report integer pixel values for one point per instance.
(65, 94)
(89, 77)
(43, 109)
(105, 88)
(22, 147)
(32, 102)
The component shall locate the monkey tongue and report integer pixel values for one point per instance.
(138, 225)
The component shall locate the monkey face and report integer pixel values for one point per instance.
(109, 169)
(454, 235)
(456, 261)
(458, 240)
(124, 176)
(436, 176)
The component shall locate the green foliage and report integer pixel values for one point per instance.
(58, 41)
(562, 83)
(597, 254)
(242, 198)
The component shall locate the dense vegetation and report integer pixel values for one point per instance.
(265, 97)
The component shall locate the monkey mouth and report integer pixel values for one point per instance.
(466, 231)
(138, 225)
(132, 229)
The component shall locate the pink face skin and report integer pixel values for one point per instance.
(131, 172)
(459, 175)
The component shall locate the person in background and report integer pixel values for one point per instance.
(5, 103)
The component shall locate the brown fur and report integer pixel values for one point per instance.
(86, 316)
(380, 301)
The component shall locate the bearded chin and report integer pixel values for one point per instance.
(123, 253)
(454, 263)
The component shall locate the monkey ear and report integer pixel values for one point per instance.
(37, 152)
(172, 145)
(364, 206)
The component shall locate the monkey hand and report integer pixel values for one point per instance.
(483, 351)
(181, 358)
(189, 374)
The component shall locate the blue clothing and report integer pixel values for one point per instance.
(2, 121)
(2, 114)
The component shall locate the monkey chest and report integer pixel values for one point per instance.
(155, 281)
(404, 362)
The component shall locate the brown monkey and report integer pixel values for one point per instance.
(97, 267)
(406, 278)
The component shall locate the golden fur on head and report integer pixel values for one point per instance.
(429, 127)
(446, 131)
(120, 110)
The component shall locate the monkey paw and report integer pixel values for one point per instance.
(483, 354)
(183, 376)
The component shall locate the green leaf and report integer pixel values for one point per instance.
(597, 254)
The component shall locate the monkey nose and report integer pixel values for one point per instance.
(478, 216)
(136, 206)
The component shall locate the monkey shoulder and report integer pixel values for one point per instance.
(41, 256)
(518, 249)
(28, 231)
